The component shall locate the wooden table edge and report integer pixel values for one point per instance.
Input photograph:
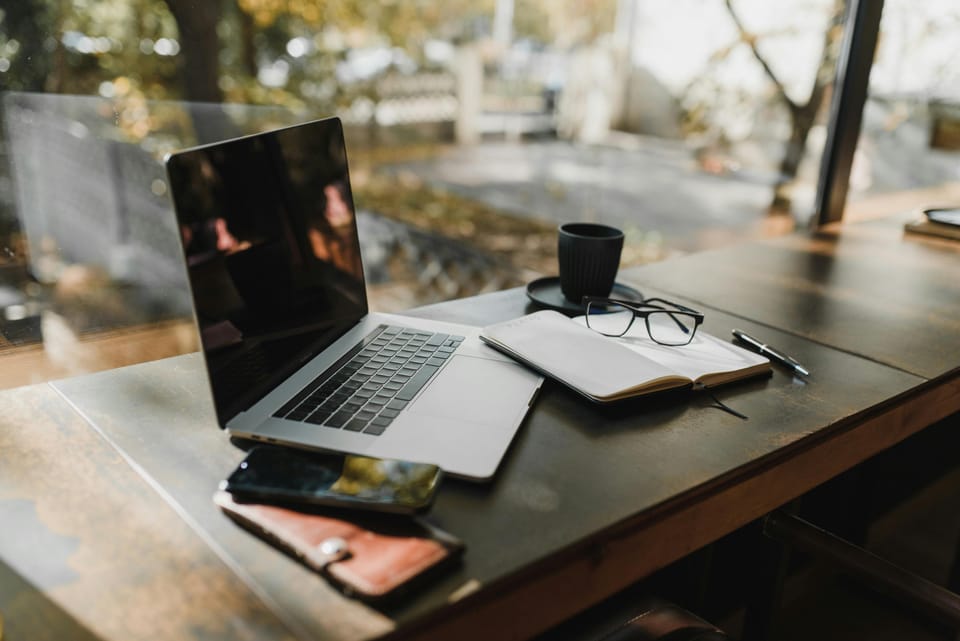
(547, 593)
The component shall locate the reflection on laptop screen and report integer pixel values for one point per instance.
(269, 233)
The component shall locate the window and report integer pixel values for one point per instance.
(474, 129)
(907, 157)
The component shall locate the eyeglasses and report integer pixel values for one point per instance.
(667, 323)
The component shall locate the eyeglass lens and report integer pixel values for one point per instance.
(671, 328)
(610, 319)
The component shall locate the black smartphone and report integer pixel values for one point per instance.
(287, 475)
(944, 216)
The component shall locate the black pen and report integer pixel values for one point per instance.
(766, 350)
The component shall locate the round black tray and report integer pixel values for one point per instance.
(546, 293)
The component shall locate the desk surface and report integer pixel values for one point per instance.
(867, 288)
(109, 477)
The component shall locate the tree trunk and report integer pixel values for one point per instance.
(803, 117)
(200, 48)
(801, 122)
(248, 51)
(200, 69)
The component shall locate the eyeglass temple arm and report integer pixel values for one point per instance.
(671, 303)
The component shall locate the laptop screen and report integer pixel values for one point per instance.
(269, 233)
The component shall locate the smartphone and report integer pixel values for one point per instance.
(944, 216)
(279, 474)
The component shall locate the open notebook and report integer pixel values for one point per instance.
(608, 369)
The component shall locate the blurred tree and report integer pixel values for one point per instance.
(803, 114)
(200, 47)
(565, 23)
(25, 40)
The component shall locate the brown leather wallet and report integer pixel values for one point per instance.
(368, 557)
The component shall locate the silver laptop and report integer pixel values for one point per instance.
(270, 239)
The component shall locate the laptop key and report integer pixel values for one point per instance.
(317, 418)
(396, 404)
(435, 361)
(356, 425)
(417, 382)
(437, 339)
(388, 413)
(377, 426)
(339, 419)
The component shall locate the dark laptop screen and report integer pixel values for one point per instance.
(269, 233)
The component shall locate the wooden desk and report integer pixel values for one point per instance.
(869, 289)
(587, 501)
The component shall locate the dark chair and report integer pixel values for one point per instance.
(630, 616)
(913, 591)
(665, 621)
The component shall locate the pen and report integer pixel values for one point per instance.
(766, 350)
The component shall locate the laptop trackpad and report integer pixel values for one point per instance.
(477, 390)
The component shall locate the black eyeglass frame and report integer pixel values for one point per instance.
(655, 305)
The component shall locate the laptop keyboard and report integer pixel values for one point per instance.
(366, 389)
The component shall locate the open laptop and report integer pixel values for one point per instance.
(270, 240)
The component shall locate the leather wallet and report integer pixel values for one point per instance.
(367, 557)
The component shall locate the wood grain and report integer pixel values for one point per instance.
(89, 550)
(863, 288)
(64, 354)
(574, 474)
(598, 569)
(160, 414)
(588, 499)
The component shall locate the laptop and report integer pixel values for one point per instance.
(293, 354)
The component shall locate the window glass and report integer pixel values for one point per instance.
(474, 129)
(908, 155)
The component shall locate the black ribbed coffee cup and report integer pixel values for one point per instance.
(589, 256)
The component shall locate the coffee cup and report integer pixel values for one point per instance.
(589, 257)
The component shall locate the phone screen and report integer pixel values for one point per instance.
(944, 216)
(282, 474)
